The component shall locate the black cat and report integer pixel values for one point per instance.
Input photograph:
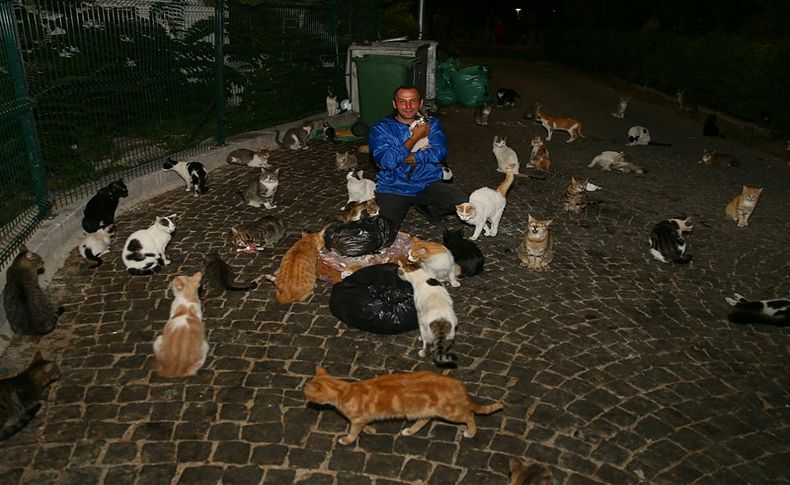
(465, 252)
(100, 210)
(710, 127)
(20, 395)
(220, 274)
(666, 240)
(506, 97)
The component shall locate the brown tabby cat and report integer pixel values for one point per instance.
(415, 395)
(295, 279)
(532, 474)
(540, 154)
(551, 123)
(181, 349)
(536, 250)
(28, 309)
(712, 157)
(742, 206)
(574, 198)
(20, 395)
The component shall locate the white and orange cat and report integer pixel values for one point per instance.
(486, 206)
(295, 279)
(740, 209)
(437, 260)
(536, 251)
(181, 349)
(539, 158)
(415, 395)
(551, 123)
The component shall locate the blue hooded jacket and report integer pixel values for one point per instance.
(386, 145)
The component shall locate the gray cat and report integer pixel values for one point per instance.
(482, 113)
(249, 158)
(20, 395)
(346, 161)
(261, 190)
(295, 138)
(28, 308)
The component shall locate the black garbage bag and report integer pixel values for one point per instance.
(357, 238)
(376, 300)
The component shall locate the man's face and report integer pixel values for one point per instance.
(407, 103)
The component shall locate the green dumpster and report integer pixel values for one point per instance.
(377, 78)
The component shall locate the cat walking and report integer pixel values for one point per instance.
(20, 395)
(570, 125)
(28, 309)
(741, 208)
(486, 206)
(193, 173)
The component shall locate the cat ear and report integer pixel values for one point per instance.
(197, 277)
(23, 249)
(530, 219)
(38, 357)
(548, 222)
(277, 171)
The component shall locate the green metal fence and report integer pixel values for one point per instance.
(97, 90)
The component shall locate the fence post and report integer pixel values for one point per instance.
(219, 68)
(19, 82)
(339, 75)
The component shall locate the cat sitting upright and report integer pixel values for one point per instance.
(20, 395)
(539, 158)
(346, 161)
(536, 251)
(415, 395)
(332, 108)
(359, 188)
(619, 112)
(666, 240)
(482, 113)
(97, 244)
(486, 206)
(295, 138)
(144, 250)
(193, 174)
(100, 209)
(28, 309)
(505, 156)
(182, 348)
(262, 189)
(295, 279)
(741, 207)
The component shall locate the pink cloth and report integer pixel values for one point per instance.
(339, 263)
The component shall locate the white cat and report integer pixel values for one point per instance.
(638, 135)
(609, 160)
(436, 259)
(144, 250)
(619, 112)
(504, 154)
(435, 314)
(359, 189)
(97, 244)
(422, 143)
(486, 206)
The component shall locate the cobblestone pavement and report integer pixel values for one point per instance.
(613, 367)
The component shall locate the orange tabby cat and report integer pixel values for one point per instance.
(295, 279)
(415, 395)
(540, 154)
(181, 349)
(742, 206)
(574, 197)
(532, 474)
(437, 260)
(536, 250)
(551, 123)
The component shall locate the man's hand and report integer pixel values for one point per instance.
(420, 131)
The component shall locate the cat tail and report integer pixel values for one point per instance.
(486, 409)
(509, 177)
(14, 426)
(89, 255)
(444, 358)
(235, 286)
(530, 175)
(683, 259)
(144, 271)
(659, 143)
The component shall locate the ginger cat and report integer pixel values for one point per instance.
(574, 197)
(742, 206)
(540, 154)
(437, 260)
(295, 279)
(551, 123)
(181, 349)
(536, 250)
(415, 395)
(486, 206)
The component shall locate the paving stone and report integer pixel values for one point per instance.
(195, 451)
(201, 474)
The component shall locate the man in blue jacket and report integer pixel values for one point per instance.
(407, 178)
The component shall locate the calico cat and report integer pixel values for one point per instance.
(359, 188)
(97, 244)
(414, 395)
(435, 314)
(485, 207)
(100, 209)
(767, 312)
(551, 123)
(20, 395)
(482, 113)
(193, 174)
(144, 250)
(686, 103)
(539, 158)
(666, 240)
(360, 210)
(331, 103)
(575, 196)
(531, 474)
(295, 138)
(346, 161)
(619, 112)
(262, 190)
(711, 157)
(181, 349)
(249, 158)
(220, 275)
(28, 309)
(506, 97)
(505, 156)
(264, 233)
(436, 259)
(609, 160)
(710, 127)
(740, 209)
(536, 251)
(295, 279)
(465, 253)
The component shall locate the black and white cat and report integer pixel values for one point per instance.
(639, 135)
(359, 188)
(97, 244)
(144, 250)
(482, 113)
(193, 174)
(100, 209)
(295, 138)
(466, 253)
(666, 240)
(768, 312)
(262, 190)
(249, 158)
(332, 108)
(328, 132)
(506, 97)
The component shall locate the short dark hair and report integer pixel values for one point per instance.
(405, 86)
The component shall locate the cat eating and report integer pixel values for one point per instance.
(465, 253)
(415, 395)
(144, 250)
(486, 206)
(219, 274)
(264, 233)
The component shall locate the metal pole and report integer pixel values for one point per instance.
(219, 68)
(19, 81)
(420, 18)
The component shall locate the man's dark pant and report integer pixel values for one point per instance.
(437, 200)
